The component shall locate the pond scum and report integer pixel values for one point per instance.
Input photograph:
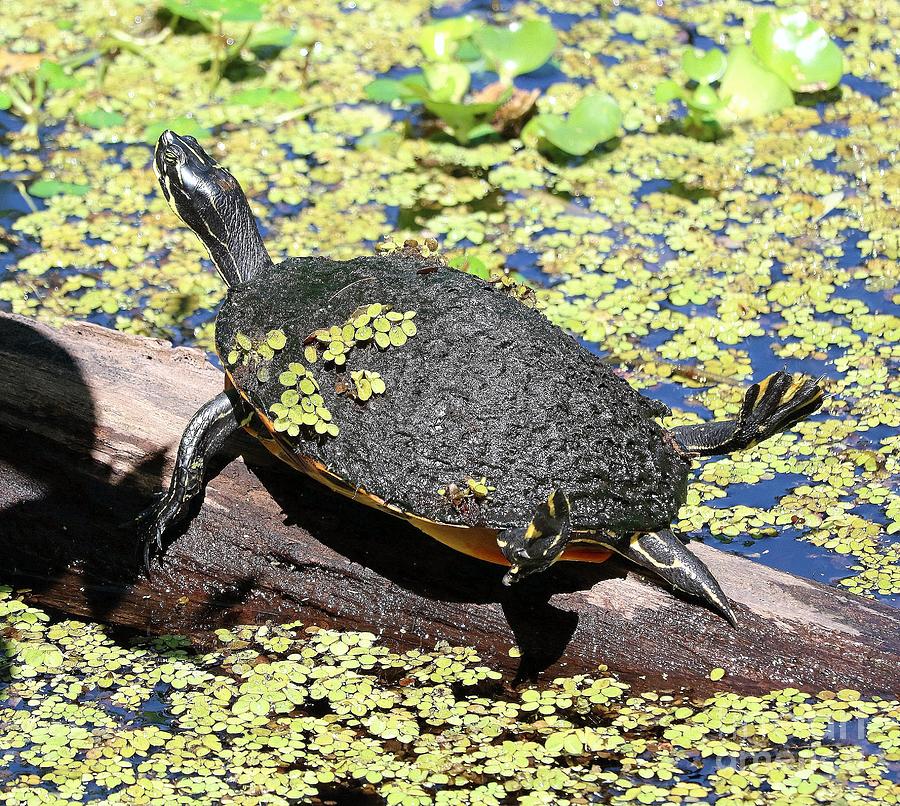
(693, 265)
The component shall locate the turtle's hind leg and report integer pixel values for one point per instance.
(204, 436)
(668, 558)
(537, 546)
(770, 406)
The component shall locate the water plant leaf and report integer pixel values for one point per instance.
(517, 48)
(56, 76)
(798, 49)
(276, 37)
(100, 118)
(440, 40)
(5, 101)
(748, 90)
(463, 118)
(44, 188)
(447, 81)
(594, 119)
(182, 125)
(704, 98)
(411, 89)
(668, 90)
(263, 96)
(703, 66)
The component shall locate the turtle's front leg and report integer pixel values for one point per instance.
(537, 546)
(204, 436)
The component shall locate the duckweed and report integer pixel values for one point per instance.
(689, 266)
(290, 713)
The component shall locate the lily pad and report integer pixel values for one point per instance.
(594, 119)
(100, 118)
(798, 49)
(440, 41)
(748, 90)
(704, 66)
(44, 188)
(518, 48)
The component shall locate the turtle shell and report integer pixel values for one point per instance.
(464, 383)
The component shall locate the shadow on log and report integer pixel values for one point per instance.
(89, 423)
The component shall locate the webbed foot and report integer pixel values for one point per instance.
(769, 407)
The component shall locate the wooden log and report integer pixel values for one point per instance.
(89, 423)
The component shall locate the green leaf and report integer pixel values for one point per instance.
(704, 98)
(42, 656)
(241, 10)
(411, 89)
(462, 118)
(703, 66)
(56, 77)
(797, 49)
(447, 81)
(668, 90)
(277, 37)
(188, 10)
(44, 188)
(471, 265)
(5, 101)
(440, 40)
(182, 125)
(100, 118)
(748, 90)
(595, 119)
(518, 48)
(265, 96)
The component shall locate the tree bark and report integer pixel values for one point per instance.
(89, 423)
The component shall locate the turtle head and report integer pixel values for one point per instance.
(210, 201)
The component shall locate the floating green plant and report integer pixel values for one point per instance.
(301, 406)
(788, 52)
(245, 351)
(798, 50)
(231, 25)
(455, 47)
(369, 323)
(515, 49)
(595, 119)
(366, 383)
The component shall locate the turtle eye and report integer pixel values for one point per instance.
(171, 156)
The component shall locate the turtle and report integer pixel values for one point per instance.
(442, 399)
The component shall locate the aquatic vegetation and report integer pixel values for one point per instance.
(294, 713)
(593, 120)
(457, 47)
(789, 52)
(689, 266)
(231, 25)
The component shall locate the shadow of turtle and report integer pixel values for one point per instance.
(408, 558)
(60, 508)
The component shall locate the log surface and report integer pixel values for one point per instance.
(89, 423)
